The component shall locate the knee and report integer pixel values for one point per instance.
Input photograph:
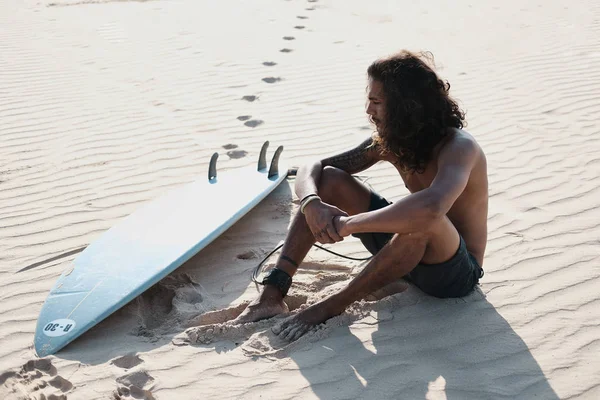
(401, 243)
(415, 239)
(332, 182)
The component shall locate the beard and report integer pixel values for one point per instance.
(377, 123)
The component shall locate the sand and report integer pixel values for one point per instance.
(105, 105)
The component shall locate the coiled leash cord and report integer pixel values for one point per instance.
(258, 268)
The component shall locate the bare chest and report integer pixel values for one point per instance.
(416, 182)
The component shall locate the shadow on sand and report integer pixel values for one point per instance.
(470, 352)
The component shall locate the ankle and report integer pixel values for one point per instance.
(336, 304)
(271, 293)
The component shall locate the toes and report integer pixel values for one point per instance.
(277, 329)
(295, 332)
(287, 332)
(299, 332)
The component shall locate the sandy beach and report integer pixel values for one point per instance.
(106, 105)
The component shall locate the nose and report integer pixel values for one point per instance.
(370, 109)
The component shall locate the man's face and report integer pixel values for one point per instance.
(376, 103)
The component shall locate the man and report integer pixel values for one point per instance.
(435, 237)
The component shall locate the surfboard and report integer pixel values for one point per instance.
(147, 245)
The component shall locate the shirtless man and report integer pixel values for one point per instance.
(435, 237)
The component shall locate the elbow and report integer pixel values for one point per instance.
(435, 209)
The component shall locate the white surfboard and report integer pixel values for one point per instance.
(146, 246)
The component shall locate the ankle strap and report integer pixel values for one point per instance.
(280, 279)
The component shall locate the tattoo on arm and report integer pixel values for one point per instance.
(355, 160)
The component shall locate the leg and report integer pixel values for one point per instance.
(336, 187)
(396, 259)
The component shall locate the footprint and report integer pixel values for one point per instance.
(289, 38)
(6, 376)
(36, 379)
(124, 393)
(269, 63)
(60, 383)
(42, 364)
(132, 386)
(299, 27)
(174, 298)
(301, 17)
(230, 146)
(244, 117)
(254, 123)
(137, 378)
(250, 98)
(236, 154)
(127, 361)
(248, 255)
(271, 79)
(286, 50)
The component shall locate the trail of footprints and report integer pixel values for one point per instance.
(37, 379)
(253, 123)
(136, 384)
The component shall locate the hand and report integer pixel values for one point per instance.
(319, 217)
(340, 225)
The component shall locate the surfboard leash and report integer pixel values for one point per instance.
(258, 268)
(291, 172)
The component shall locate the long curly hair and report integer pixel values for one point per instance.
(419, 109)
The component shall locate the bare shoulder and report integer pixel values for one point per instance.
(460, 147)
(355, 160)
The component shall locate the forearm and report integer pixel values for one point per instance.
(414, 213)
(307, 179)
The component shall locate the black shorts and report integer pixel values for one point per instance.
(456, 277)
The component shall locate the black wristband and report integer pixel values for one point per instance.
(307, 196)
(280, 279)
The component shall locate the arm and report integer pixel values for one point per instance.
(417, 211)
(352, 161)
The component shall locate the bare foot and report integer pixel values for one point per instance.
(264, 307)
(296, 326)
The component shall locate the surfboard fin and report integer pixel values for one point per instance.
(274, 170)
(212, 168)
(262, 159)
